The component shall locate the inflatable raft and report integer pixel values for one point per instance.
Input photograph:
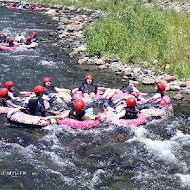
(73, 123)
(19, 117)
(78, 95)
(4, 46)
(6, 109)
(140, 120)
(109, 117)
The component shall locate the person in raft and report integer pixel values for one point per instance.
(88, 89)
(36, 104)
(154, 97)
(34, 36)
(128, 87)
(19, 38)
(15, 94)
(79, 113)
(126, 110)
(54, 93)
(28, 40)
(6, 100)
(3, 37)
(11, 42)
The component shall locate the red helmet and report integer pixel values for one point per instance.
(3, 92)
(89, 76)
(163, 102)
(35, 33)
(38, 89)
(8, 84)
(161, 86)
(11, 40)
(131, 102)
(79, 105)
(46, 79)
(29, 38)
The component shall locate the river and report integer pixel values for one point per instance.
(154, 156)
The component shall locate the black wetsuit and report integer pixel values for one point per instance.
(8, 102)
(73, 114)
(34, 39)
(130, 113)
(36, 106)
(88, 88)
(50, 89)
(152, 94)
(11, 44)
(127, 88)
(28, 42)
(16, 93)
(3, 38)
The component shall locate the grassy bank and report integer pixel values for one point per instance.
(136, 34)
(139, 34)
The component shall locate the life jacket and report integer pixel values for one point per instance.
(28, 42)
(16, 93)
(11, 44)
(36, 106)
(127, 88)
(88, 88)
(34, 39)
(50, 89)
(130, 113)
(73, 114)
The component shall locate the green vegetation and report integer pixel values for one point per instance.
(137, 33)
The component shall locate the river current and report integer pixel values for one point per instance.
(154, 156)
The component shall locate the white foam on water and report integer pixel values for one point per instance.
(48, 63)
(58, 160)
(161, 149)
(185, 179)
(96, 178)
(181, 138)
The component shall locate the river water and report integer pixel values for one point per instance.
(155, 156)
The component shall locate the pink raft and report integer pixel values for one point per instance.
(4, 46)
(73, 123)
(23, 118)
(6, 109)
(140, 120)
(78, 95)
(167, 99)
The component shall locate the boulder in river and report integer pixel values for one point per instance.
(169, 78)
(178, 97)
(148, 81)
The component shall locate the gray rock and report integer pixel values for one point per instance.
(99, 61)
(174, 88)
(53, 34)
(119, 73)
(184, 84)
(102, 67)
(55, 19)
(127, 73)
(51, 12)
(148, 81)
(83, 60)
(178, 97)
(169, 78)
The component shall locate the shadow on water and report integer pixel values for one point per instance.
(154, 156)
